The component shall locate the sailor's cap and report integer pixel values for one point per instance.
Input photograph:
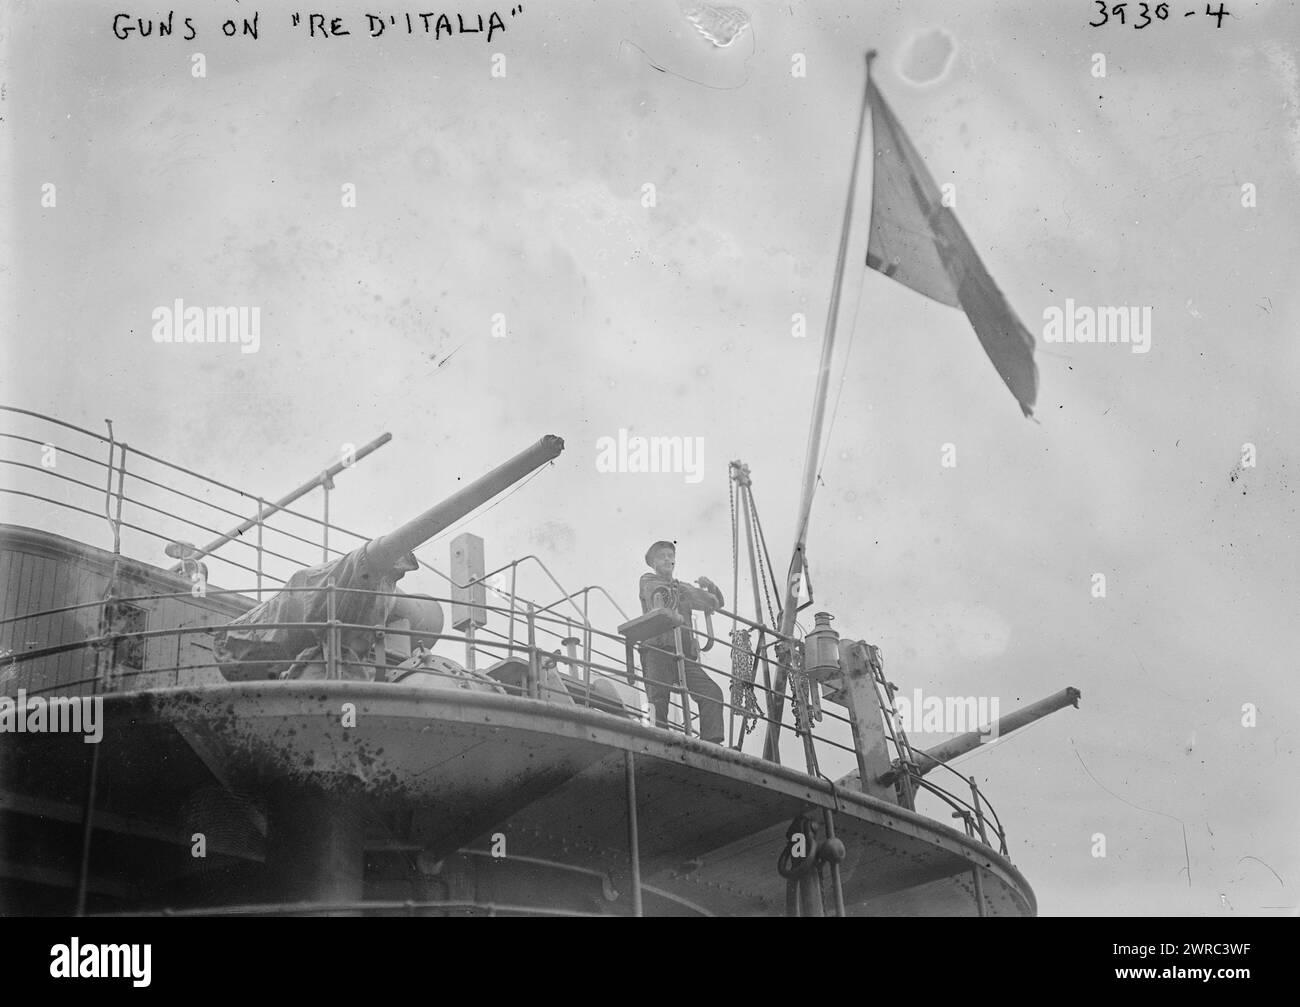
(649, 553)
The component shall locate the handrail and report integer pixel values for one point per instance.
(145, 454)
(610, 670)
(181, 631)
(537, 620)
(263, 511)
(124, 524)
(214, 628)
(137, 477)
(980, 801)
(333, 627)
(149, 507)
(584, 591)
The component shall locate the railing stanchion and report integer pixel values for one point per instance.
(629, 658)
(326, 485)
(534, 682)
(682, 687)
(979, 810)
(260, 508)
(586, 635)
(979, 891)
(514, 570)
(331, 634)
(121, 483)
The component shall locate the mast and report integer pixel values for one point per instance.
(790, 605)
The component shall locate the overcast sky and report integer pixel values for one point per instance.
(523, 195)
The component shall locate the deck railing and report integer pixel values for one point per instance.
(607, 661)
(178, 501)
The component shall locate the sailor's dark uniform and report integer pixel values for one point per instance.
(658, 655)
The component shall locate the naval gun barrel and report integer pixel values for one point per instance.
(385, 550)
(971, 740)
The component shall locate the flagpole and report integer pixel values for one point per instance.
(813, 451)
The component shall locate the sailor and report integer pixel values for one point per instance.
(659, 654)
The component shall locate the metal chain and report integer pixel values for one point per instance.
(758, 526)
(735, 546)
(742, 681)
(742, 654)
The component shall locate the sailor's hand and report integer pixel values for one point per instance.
(712, 591)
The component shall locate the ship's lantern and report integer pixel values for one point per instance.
(822, 649)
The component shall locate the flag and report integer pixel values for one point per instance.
(917, 241)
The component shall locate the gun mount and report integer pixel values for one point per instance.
(264, 641)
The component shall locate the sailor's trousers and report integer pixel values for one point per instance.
(660, 669)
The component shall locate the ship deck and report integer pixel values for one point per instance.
(442, 770)
(208, 794)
